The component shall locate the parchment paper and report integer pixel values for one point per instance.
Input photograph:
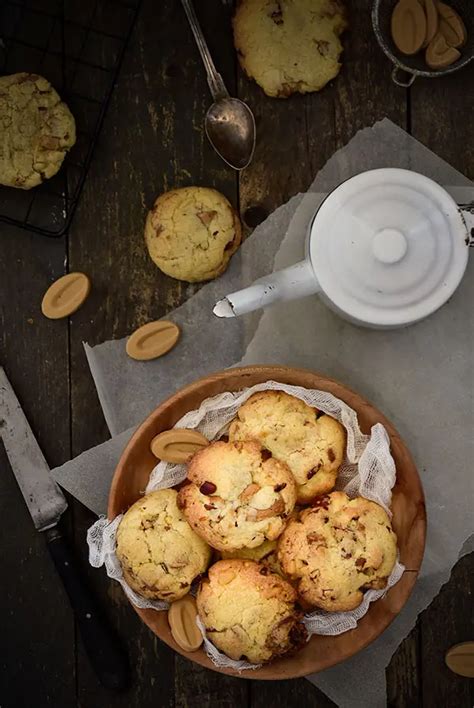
(420, 377)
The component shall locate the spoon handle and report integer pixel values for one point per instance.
(214, 79)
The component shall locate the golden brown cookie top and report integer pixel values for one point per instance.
(37, 130)
(238, 495)
(310, 443)
(192, 232)
(159, 552)
(336, 549)
(289, 46)
(249, 612)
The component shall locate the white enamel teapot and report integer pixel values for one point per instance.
(385, 249)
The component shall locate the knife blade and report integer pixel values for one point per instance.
(46, 504)
(43, 497)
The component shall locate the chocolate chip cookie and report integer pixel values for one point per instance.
(238, 495)
(336, 549)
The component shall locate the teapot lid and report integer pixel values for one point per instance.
(388, 246)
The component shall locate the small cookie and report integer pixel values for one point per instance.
(37, 130)
(337, 549)
(248, 612)
(191, 233)
(159, 552)
(238, 495)
(311, 444)
(289, 46)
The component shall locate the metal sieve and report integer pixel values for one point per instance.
(415, 65)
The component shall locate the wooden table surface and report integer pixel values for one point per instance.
(152, 140)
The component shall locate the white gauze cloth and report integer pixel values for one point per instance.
(368, 470)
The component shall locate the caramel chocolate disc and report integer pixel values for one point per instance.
(460, 659)
(177, 445)
(182, 621)
(152, 340)
(432, 20)
(451, 26)
(439, 54)
(408, 26)
(65, 295)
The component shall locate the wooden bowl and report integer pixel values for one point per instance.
(409, 516)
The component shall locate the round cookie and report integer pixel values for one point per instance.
(191, 233)
(159, 552)
(37, 130)
(289, 46)
(337, 549)
(249, 612)
(238, 495)
(311, 444)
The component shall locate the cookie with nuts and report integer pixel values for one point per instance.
(289, 46)
(336, 549)
(250, 613)
(191, 233)
(311, 443)
(159, 552)
(237, 495)
(37, 131)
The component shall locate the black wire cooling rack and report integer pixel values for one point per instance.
(78, 46)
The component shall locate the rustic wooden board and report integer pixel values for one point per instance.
(153, 140)
(37, 628)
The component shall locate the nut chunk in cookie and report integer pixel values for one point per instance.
(249, 612)
(159, 552)
(338, 548)
(238, 495)
(311, 444)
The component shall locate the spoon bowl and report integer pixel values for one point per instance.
(230, 128)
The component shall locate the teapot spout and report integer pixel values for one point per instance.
(288, 284)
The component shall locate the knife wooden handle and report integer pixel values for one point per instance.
(102, 646)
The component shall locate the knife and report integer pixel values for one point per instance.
(46, 504)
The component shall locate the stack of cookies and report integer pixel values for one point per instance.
(257, 522)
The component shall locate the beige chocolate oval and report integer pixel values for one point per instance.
(451, 26)
(152, 340)
(460, 659)
(432, 20)
(408, 26)
(65, 295)
(182, 621)
(439, 54)
(177, 445)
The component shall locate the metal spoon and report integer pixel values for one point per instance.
(229, 124)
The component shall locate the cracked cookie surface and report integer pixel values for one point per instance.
(159, 552)
(311, 444)
(36, 130)
(238, 495)
(289, 46)
(192, 233)
(249, 612)
(337, 549)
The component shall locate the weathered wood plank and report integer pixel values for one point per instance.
(37, 635)
(403, 673)
(449, 620)
(152, 140)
